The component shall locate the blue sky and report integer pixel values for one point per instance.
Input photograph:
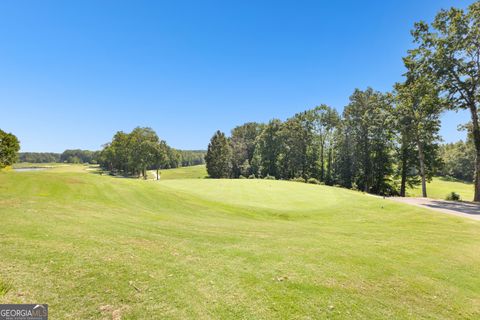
(74, 73)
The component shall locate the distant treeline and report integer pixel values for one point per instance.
(132, 154)
(39, 157)
(182, 158)
(68, 156)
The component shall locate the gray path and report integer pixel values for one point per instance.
(464, 209)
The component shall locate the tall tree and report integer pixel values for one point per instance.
(267, 150)
(449, 50)
(325, 121)
(419, 106)
(9, 146)
(368, 121)
(219, 156)
(243, 146)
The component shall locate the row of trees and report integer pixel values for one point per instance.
(79, 156)
(132, 154)
(39, 157)
(372, 146)
(9, 146)
(68, 156)
(182, 158)
(383, 142)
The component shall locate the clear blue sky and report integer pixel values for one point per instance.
(74, 73)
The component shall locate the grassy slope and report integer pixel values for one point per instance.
(439, 188)
(92, 246)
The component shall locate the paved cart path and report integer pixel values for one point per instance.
(459, 208)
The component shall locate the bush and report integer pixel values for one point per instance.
(242, 177)
(313, 181)
(269, 177)
(453, 196)
(298, 179)
(252, 176)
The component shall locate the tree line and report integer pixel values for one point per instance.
(132, 154)
(382, 143)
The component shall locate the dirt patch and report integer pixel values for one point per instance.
(111, 312)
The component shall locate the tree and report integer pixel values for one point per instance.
(135, 152)
(160, 157)
(406, 168)
(325, 121)
(242, 141)
(219, 156)
(9, 146)
(449, 50)
(299, 154)
(267, 150)
(458, 160)
(419, 108)
(368, 124)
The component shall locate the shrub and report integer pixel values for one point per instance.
(269, 177)
(252, 176)
(453, 196)
(313, 181)
(242, 177)
(298, 179)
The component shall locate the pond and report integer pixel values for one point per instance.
(28, 169)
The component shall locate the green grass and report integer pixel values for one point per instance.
(439, 188)
(192, 172)
(94, 247)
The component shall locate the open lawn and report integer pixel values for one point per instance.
(439, 188)
(192, 172)
(100, 247)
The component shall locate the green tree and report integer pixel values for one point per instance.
(448, 49)
(242, 141)
(458, 160)
(368, 121)
(325, 121)
(9, 146)
(419, 108)
(267, 150)
(219, 156)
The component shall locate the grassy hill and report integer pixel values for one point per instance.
(439, 187)
(96, 247)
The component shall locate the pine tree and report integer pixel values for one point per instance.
(219, 156)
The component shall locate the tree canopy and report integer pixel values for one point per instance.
(9, 146)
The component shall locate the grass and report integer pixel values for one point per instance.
(440, 187)
(192, 172)
(96, 247)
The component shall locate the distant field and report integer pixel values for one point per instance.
(192, 172)
(439, 188)
(101, 247)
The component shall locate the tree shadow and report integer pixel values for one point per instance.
(460, 206)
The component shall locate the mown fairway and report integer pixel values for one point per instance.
(439, 188)
(97, 247)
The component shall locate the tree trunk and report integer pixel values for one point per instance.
(158, 176)
(322, 167)
(421, 158)
(403, 184)
(476, 141)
